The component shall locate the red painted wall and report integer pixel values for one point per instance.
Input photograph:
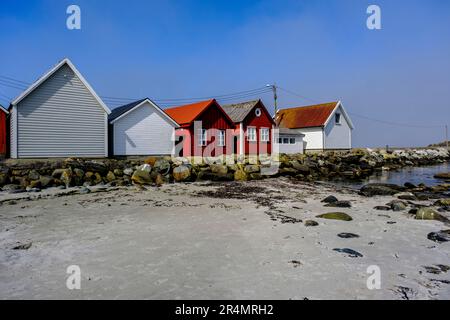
(2, 133)
(212, 118)
(263, 121)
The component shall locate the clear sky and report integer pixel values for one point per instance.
(319, 49)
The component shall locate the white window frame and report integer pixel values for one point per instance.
(264, 134)
(251, 137)
(221, 138)
(202, 137)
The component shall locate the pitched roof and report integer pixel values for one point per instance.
(305, 117)
(47, 75)
(239, 111)
(122, 111)
(117, 112)
(3, 109)
(186, 114)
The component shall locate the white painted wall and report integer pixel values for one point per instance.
(290, 148)
(144, 131)
(338, 136)
(313, 138)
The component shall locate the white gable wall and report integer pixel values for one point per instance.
(338, 136)
(313, 139)
(143, 131)
(61, 118)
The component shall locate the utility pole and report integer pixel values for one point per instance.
(275, 97)
(446, 136)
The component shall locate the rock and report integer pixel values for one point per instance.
(406, 196)
(255, 176)
(251, 168)
(159, 180)
(66, 177)
(429, 214)
(442, 202)
(339, 204)
(240, 175)
(33, 175)
(12, 188)
(118, 172)
(110, 176)
(382, 208)
(330, 199)
(128, 172)
(182, 173)
(57, 173)
(24, 246)
(4, 179)
(219, 169)
(380, 189)
(151, 161)
(441, 236)
(145, 167)
(301, 168)
(444, 175)
(287, 172)
(346, 235)
(97, 178)
(350, 252)
(409, 185)
(397, 205)
(311, 223)
(30, 189)
(84, 190)
(162, 166)
(335, 216)
(141, 177)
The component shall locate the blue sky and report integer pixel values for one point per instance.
(319, 49)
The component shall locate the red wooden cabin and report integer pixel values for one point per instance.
(3, 115)
(254, 126)
(205, 129)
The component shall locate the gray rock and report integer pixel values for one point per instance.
(339, 204)
(350, 252)
(380, 189)
(128, 172)
(33, 175)
(382, 208)
(397, 205)
(330, 199)
(311, 223)
(182, 173)
(162, 166)
(346, 235)
(440, 236)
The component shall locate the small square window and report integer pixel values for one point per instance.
(292, 140)
(285, 140)
(280, 140)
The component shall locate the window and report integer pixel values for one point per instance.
(202, 137)
(280, 140)
(285, 140)
(251, 134)
(258, 112)
(264, 134)
(292, 140)
(221, 138)
(337, 118)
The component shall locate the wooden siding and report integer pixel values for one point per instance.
(263, 121)
(144, 131)
(61, 118)
(2, 133)
(13, 132)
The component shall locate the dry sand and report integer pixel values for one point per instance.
(192, 241)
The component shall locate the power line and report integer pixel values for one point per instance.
(6, 84)
(15, 80)
(396, 123)
(297, 95)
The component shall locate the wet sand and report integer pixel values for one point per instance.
(214, 241)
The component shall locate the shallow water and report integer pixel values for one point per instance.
(414, 175)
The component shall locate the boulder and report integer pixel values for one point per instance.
(251, 168)
(110, 176)
(406, 196)
(145, 167)
(162, 166)
(240, 175)
(219, 169)
(151, 161)
(141, 177)
(301, 168)
(4, 179)
(336, 216)
(444, 175)
(182, 173)
(339, 204)
(33, 175)
(430, 214)
(311, 223)
(397, 205)
(330, 199)
(66, 177)
(380, 189)
(440, 236)
(159, 180)
(442, 202)
(118, 172)
(128, 172)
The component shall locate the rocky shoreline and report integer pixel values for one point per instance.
(32, 176)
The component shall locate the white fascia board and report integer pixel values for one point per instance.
(51, 72)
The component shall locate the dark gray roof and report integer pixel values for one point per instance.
(238, 111)
(117, 112)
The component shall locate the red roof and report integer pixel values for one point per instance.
(305, 117)
(188, 113)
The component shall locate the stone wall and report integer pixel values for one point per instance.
(28, 175)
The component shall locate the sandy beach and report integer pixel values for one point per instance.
(234, 240)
